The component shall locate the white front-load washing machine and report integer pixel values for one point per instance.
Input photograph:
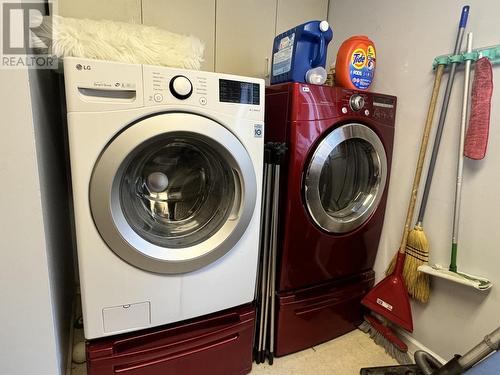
(166, 169)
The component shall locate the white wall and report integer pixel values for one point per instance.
(36, 267)
(238, 34)
(116, 10)
(407, 35)
(27, 336)
(54, 188)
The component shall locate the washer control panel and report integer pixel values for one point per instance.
(174, 86)
(93, 85)
(232, 91)
(169, 86)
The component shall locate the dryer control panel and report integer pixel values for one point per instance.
(384, 108)
(325, 102)
(379, 107)
(353, 102)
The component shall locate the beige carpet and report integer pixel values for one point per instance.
(342, 356)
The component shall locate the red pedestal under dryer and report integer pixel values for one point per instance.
(332, 204)
(217, 344)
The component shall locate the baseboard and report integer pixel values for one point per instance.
(414, 345)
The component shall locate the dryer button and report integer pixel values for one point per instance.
(344, 110)
(356, 102)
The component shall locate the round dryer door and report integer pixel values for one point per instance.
(173, 192)
(345, 178)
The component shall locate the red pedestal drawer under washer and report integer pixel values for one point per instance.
(220, 343)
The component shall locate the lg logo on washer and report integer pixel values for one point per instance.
(83, 67)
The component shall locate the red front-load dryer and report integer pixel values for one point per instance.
(332, 203)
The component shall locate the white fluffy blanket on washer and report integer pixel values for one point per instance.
(119, 41)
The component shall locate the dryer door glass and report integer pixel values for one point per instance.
(173, 193)
(345, 178)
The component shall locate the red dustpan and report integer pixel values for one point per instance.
(389, 298)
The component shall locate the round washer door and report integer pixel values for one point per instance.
(173, 193)
(345, 178)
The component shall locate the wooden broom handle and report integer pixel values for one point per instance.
(421, 156)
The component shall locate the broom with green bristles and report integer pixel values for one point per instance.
(417, 248)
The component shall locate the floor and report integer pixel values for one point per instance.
(342, 356)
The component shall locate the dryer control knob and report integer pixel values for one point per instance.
(356, 102)
(181, 87)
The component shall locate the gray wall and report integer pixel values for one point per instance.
(408, 35)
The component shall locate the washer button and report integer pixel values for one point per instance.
(203, 100)
(367, 112)
(181, 87)
(158, 98)
(344, 110)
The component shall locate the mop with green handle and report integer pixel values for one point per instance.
(452, 273)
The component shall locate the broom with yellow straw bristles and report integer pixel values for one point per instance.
(417, 247)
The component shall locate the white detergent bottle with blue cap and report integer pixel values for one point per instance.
(299, 54)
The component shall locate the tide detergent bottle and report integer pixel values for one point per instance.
(355, 64)
(300, 50)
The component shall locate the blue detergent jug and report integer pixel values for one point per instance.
(299, 50)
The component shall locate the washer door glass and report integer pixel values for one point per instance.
(171, 200)
(177, 191)
(345, 178)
